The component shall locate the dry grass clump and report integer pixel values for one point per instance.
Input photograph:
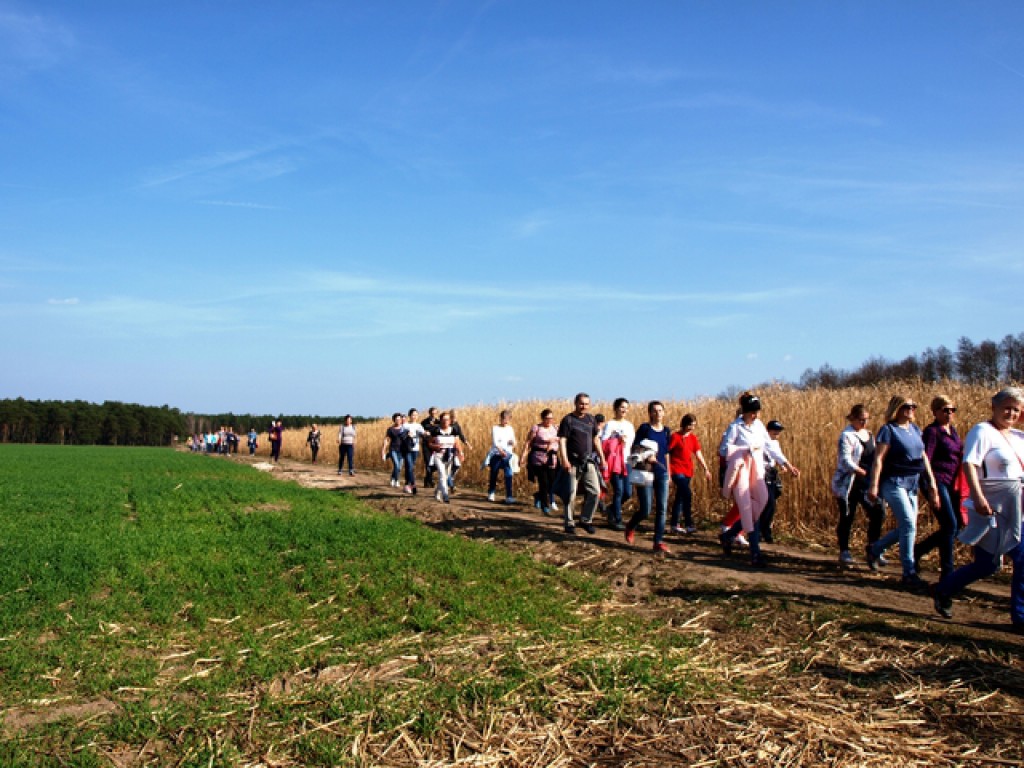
(813, 420)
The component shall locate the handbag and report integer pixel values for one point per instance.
(641, 477)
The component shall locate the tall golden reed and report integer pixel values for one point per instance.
(812, 419)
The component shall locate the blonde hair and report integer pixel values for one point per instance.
(941, 401)
(895, 403)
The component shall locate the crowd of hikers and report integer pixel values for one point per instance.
(592, 465)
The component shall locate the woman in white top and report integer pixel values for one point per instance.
(445, 455)
(994, 468)
(746, 443)
(619, 429)
(856, 454)
(347, 445)
(503, 445)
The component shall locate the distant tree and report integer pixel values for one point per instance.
(945, 365)
(967, 367)
(1012, 350)
(988, 356)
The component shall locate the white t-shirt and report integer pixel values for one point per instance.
(414, 430)
(503, 438)
(623, 429)
(996, 455)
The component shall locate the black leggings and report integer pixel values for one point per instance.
(847, 509)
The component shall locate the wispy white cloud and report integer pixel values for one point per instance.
(240, 204)
(32, 41)
(62, 302)
(246, 165)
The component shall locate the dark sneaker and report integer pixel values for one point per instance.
(617, 527)
(943, 605)
(914, 582)
(589, 528)
(726, 541)
(872, 559)
(570, 529)
(758, 561)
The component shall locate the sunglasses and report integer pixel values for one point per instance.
(949, 409)
(909, 406)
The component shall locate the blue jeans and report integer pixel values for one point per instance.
(683, 506)
(346, 451)
(410, 467)
(499, 464)
(904, 508)
(985, 564)
(396, 465)
(948, 518)
(621, 489)
(643, 495)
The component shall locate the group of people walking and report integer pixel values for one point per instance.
(972, 485)
(594, 465)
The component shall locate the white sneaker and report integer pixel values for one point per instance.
(510, 499)
(845, 558)
(490, 497)
(678, 529)
(554, 506)
(882, 560)
(741, 540)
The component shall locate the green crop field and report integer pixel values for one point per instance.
(166, 584)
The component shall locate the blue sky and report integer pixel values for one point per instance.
(330, 207)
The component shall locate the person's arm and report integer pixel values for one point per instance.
(846, 460)
(563, 453)
(930, 437)
(981, 505)
(876, 471)
(698, 454)
(384, 447)
(933, 488)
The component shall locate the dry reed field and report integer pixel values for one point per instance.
(813, 420)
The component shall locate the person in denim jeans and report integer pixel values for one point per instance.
(683, 448)
(621, 430)
(900, 461)
(654, 431)
(392, 447)
(993, 468)
(945, 452)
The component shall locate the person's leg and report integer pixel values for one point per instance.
(591, 492)
(643, 497)
(409, 462)
(1016, 556)
(685, 490)
(570, 502)
(396, 466)
(984, 565)
(507, 469)
(618, 486)
(678, 482)
(904, 507)
(492, 474)
(660, 489)
(845, 524)
(768, 515)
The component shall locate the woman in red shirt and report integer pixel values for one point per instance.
(683, 447)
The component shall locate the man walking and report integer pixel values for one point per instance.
(579, 449)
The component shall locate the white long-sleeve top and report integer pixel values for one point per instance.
(754, 439)
(849, 451)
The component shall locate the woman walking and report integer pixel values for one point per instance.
(850, 481)
(746, 444)
(313, 441)
(617, 436)
(945, 452)
(653, 432)
(683, 448)
(503, 445)
(541, 458)
(445, 456)
(392, 448)
(347, 445)
(900, 463)
(993, 467)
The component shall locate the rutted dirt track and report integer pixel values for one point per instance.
(696, 562)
